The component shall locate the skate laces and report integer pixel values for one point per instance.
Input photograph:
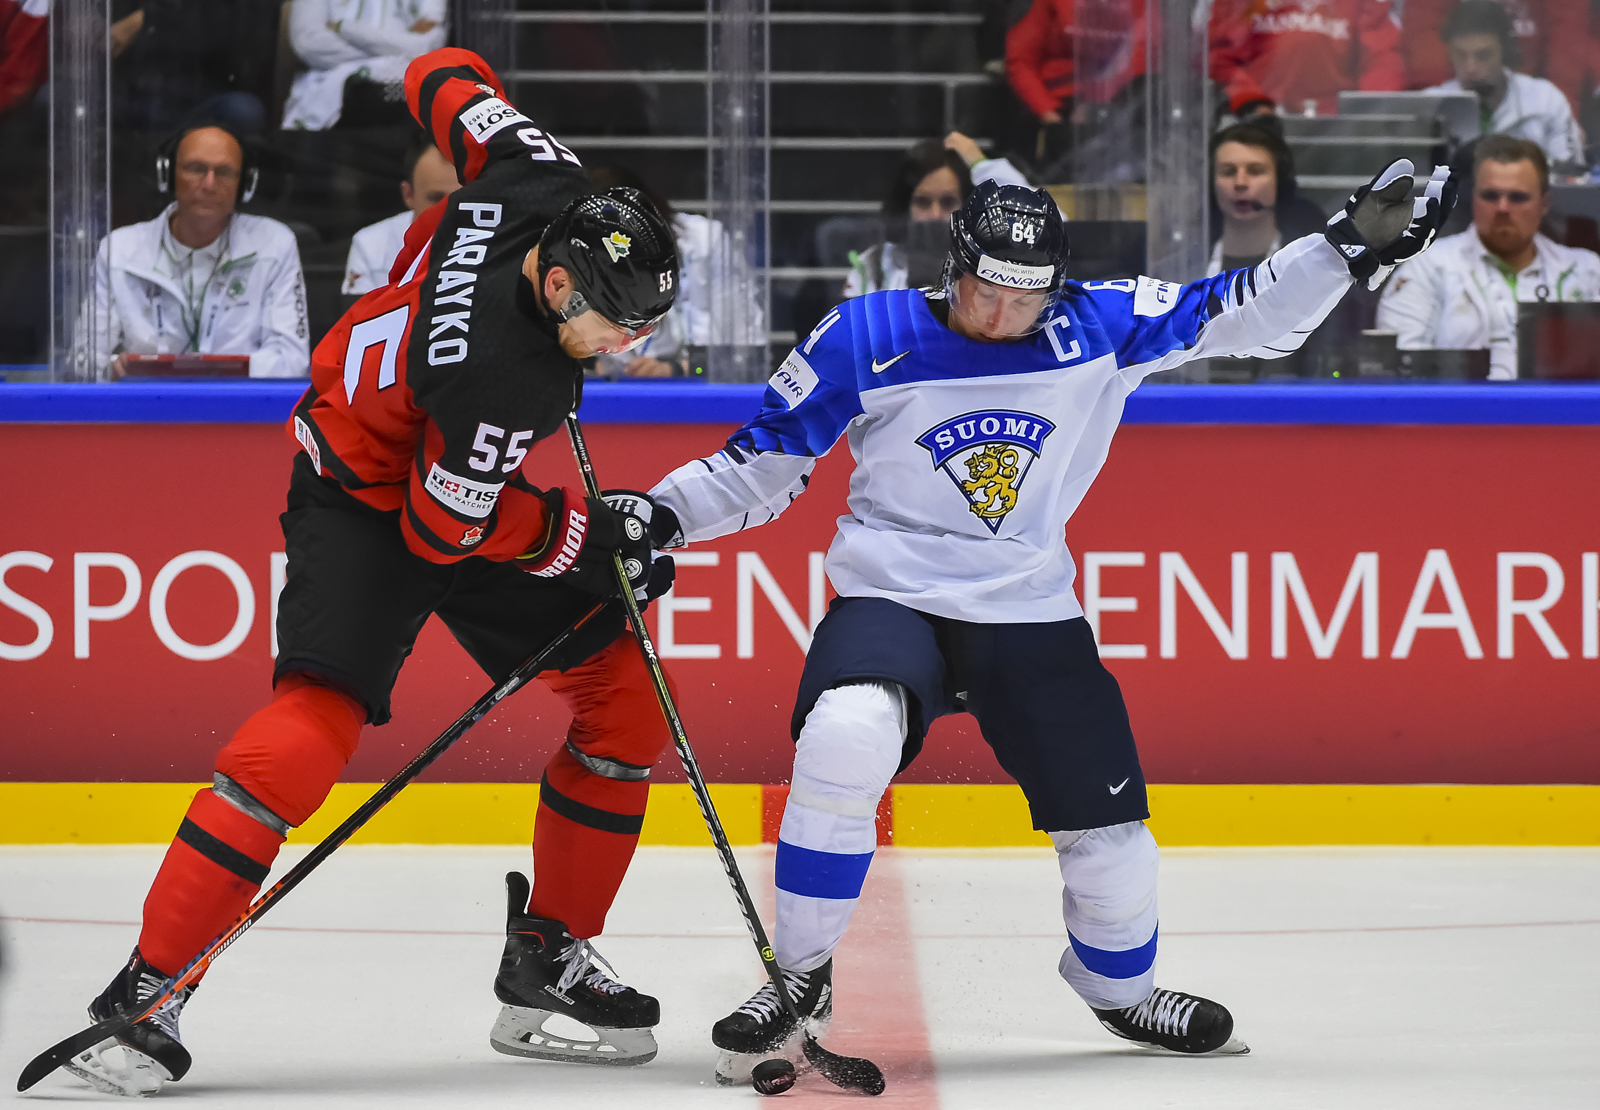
(764, 1004)
(1165, 1012)
(165, 1018)
(585, 965)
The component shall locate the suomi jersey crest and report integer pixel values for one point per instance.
(987, 454)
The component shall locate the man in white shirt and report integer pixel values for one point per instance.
(427, 178)
(1463, 293)
(201, 278)
(1483, 45)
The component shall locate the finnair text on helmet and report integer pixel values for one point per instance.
(455, 286)
(1015, 275)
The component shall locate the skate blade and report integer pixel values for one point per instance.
(520, 1031)
(1233, 1047)
(734, 1068)
(134, 1076)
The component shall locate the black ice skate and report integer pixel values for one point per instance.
(146, 1056)
(1176, 1022)
(761, 1030)
(559, 1003)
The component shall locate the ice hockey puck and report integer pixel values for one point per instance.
(772, 1077)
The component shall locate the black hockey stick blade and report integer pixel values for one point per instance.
(850, 1072)
(56, 1055)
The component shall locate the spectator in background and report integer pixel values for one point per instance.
(1483, 46)
(1463, 293)
(200, 277)
(24, 50)
(932, 180)
(1297, 55)
(1255, 208)
(1551, 39)
(357, 51)
(1066, 55)
(707, 269)
(427, 177)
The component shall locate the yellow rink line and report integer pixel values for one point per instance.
(942, 816)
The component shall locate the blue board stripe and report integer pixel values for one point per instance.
(820, 874)
(270, 402)
(1129, 963)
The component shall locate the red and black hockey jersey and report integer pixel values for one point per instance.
(427, 394)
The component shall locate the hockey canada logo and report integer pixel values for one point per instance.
(617, 245)
(472, 535)
(987, 455)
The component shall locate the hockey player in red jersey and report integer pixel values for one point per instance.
(408, 498)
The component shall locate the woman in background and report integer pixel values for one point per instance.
(932, 180)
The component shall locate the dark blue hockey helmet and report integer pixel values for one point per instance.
(1014, 238)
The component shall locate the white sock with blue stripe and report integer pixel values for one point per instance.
(1109, 905)
(848, 750)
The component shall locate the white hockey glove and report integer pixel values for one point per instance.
(1381, 226)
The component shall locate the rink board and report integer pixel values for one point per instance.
(1456, 525)
(914, 816)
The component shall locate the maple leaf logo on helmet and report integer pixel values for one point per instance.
(617, 245)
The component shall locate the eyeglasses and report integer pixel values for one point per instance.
(944, 202)
(1511, 196)
(198, 170)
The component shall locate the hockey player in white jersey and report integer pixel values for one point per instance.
(978, 415)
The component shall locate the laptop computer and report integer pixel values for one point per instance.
(1457, 113)
(1558, 341)
(186, 366)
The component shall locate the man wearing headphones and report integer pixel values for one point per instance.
(201, 278)
(1482, 41)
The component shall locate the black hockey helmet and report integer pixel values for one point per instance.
(621, 255)
(1012, 237)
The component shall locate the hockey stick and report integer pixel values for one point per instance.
(52, 1058)
(850, 1072)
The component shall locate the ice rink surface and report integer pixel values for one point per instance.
(1360, 978)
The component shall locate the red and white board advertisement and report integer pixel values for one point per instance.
(1280, 604)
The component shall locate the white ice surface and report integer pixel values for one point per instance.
(1360, 978)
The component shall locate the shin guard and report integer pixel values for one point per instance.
(272, 775)
(584, 837)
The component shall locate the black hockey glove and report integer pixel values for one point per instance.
(1381, 225)
(582, 535)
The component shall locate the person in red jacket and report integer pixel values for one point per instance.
(1552, 35)
(1066, 55)
(24, 50)
(408, 498)
(1299, 54)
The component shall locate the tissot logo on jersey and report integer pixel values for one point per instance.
(469, 498)
(488, 117)
(458, 278)
(987, 455)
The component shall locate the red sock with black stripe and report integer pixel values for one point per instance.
(287, 757)
(583, 841)
(213, 869)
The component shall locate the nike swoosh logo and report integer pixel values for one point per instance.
(1117, 789)
(880, 367)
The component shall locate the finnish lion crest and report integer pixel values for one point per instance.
(987, 455)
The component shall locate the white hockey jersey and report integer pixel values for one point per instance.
(971, 457)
